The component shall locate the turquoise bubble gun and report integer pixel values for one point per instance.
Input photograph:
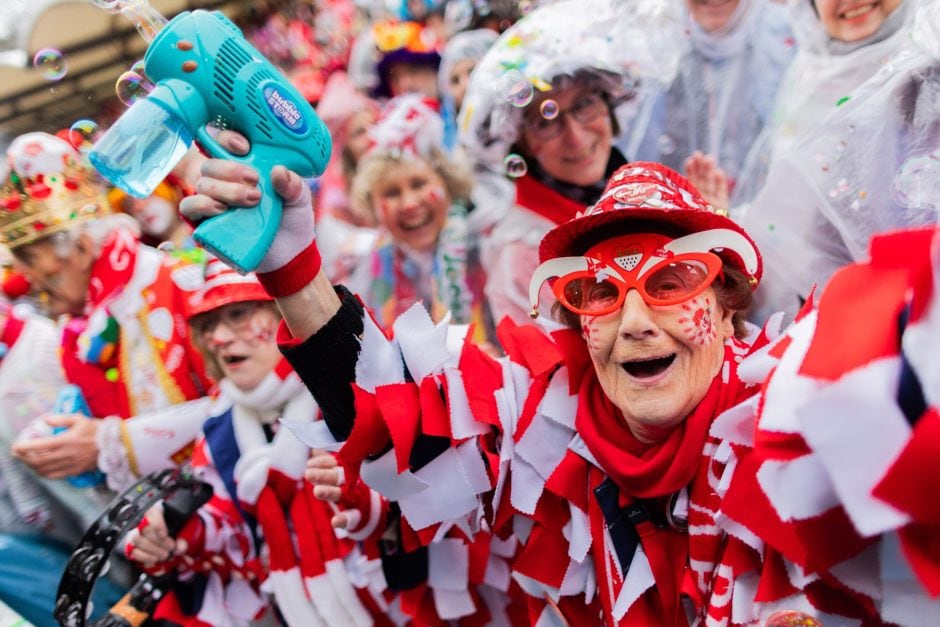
(205, 72)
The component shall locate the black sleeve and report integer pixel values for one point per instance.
(326, 363)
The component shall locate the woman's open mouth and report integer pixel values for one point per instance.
(231, 360)
(858, 11)
(648, 368)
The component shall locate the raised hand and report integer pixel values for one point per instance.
(710, 180)
(226, 183)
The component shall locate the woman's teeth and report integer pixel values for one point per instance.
(857, 11)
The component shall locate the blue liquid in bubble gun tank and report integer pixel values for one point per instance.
(71, 401)
(141, 150)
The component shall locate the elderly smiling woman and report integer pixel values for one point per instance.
(600, 456)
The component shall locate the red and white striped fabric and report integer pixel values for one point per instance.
(814, 495)
(299, 561)
(836, 487)
(512, 496)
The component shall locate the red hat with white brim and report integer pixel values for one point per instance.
(224, 286)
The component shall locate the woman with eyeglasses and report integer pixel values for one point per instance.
(625, 463)
(542, 109)
(262, 539)
(625, 466)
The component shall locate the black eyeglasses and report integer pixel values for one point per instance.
(586, 108)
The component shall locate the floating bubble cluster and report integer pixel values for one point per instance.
(791, 618)
(111, 6)
(666, 144)
(131, 87)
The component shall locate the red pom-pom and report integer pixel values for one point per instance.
(14, 285)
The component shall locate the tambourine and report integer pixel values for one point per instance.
(182, 494)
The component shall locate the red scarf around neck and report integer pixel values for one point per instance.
(649, 471)
(642, 471)
(546, 202)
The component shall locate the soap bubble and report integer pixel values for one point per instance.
(51, 64)
(515, 89)
(549, 109)
(666, 144)
(131, 87)
(525, 6)
(81, 135)
(917, 183)
(138, 67)
(515, 166)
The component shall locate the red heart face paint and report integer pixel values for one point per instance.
(698, 321)
(591, 333)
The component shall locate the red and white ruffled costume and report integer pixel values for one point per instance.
(811, 511)
(517, 469)
(835, 482)
(263, 532)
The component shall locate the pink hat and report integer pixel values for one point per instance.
(651, 192)
(224, 286)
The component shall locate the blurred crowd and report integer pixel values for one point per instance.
(463, 132)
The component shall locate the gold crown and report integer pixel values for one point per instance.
(34, 205)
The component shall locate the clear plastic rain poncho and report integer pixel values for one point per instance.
(874, 166)
(823, 72)
(625, 45)
(723, 94)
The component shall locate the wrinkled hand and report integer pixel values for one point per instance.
(150, 544)
(227, 183)
(710, 180)
(65, 454)
(327, 477)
